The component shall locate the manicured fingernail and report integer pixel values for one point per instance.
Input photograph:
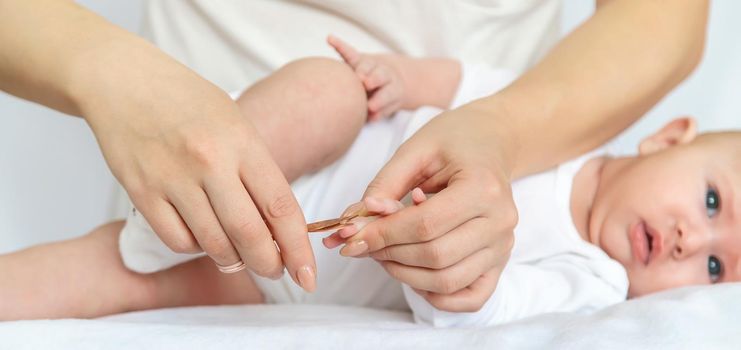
(354, 248)
(306, 279)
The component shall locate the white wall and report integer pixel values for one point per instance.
(54, 183)
(710, 94)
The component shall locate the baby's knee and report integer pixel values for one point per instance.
(333, 84)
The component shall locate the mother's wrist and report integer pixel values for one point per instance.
(103, 74)
(499, 129)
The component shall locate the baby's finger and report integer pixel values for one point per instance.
(382, 206)
(448, 209)
(418, 196)
(348, 53)
(357, 224)
(364, 67)
(378, 77)
(333, 241)
(385, 111)
(372, 205)
(348, 231)
(383, 98)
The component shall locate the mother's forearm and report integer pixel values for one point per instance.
(61, 55)
(42, 40)
(597, 81)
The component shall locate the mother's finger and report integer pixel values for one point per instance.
(443, 251)
(196, 211)
(170, 228)
(273, 196)
(408, 167)
(469, 299)
(447, 280)
(438, 215)
(244, 226)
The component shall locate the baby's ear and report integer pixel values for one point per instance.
(676, 132)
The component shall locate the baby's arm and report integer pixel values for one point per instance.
(524, 290)
(395, 81)
(558, 284)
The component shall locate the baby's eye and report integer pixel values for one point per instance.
(712, 202)
(714, 268)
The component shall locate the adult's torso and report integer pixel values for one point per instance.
(234, 43)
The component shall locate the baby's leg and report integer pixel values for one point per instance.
(84, 277)
(308, 112)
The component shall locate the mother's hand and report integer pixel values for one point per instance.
(452, 247)
(199, 172)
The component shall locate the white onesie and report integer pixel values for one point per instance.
(551, 269)
(585, 276)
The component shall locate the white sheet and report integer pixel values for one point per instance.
(690, 318)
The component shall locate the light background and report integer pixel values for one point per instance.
(54, 183)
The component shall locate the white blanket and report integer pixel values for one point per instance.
(690, 318)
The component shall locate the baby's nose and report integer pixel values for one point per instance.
(690, 243)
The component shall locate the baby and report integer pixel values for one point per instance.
(597, 230)
(592, 231)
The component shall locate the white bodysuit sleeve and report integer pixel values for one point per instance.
(478, 81)
(526, 290)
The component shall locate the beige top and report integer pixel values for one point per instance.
(234, 43)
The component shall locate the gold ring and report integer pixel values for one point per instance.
(236, 267)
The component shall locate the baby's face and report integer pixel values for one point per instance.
(673, 217)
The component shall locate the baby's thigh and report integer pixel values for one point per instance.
(308, 112)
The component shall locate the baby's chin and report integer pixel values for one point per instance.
(633, 293)
(642, 284)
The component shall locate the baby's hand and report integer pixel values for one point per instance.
(379, 207)
(382, 79)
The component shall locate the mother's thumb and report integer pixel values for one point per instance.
(401, 174)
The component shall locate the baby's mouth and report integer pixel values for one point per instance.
(653, 238)
(639, 240)
(650, 240)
